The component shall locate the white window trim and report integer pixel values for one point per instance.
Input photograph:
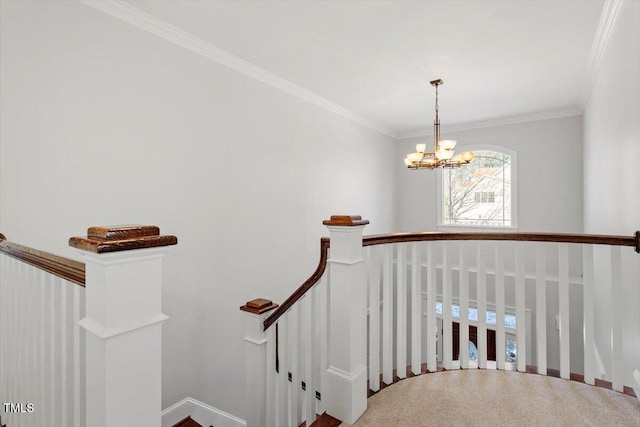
(514, 194)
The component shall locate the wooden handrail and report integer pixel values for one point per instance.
(594, 239)
(308, 284)
(381, 239)
(65, 268)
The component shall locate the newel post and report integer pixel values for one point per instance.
(256, 311)
(123, 323)
(347, 372)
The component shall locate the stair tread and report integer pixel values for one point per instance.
(187, 422)
(325, 420)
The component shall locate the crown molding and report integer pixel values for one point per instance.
(607, 19)
(157, 27)
(136, 17)
(524, 118)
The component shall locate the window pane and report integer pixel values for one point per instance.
(479, 193)
(509, 319)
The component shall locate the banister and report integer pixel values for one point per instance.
(380, 239)
(594, 239)
(65, 268)
(308, 284)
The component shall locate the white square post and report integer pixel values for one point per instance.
(256, 312)
(123, 320)
(347, 371)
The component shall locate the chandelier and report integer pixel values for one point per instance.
(443, 154)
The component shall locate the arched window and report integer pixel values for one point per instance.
(482, 194)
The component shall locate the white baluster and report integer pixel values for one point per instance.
(34, 301)
(521, 329)
(271, 403)
(541, 308)
(464, 310)
(283, 353)
(374, 318)
(447, 333)
(309, 308)
(54, 298)
(432, 365)
(563, 302)
(41, 325)
(588, 313)
(501, 349)
(617, 311)
(294, 383)
(19, 343)
(26, 335)
(3, 324)
(8, 327)
(481, 279)
(57, 352)
(64, 354)
(323, 327)
(416, 309)
(387, 314)
(401, 312)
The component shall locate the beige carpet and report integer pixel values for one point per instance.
(497, 398)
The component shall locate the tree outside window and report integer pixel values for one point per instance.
(479, 194)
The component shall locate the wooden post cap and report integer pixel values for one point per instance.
(259, 306)
(2, 237)
(121, 238)
(346, 220)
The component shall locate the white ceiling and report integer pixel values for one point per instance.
(498, 58)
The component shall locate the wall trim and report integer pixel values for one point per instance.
(607, 19)
(523, 118)
(157, 27)
(136, 17)
(201, 412)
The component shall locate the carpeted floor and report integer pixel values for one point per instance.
(474, 398)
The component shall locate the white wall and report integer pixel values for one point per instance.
(612, 172)
(549, 156)
(103, 123)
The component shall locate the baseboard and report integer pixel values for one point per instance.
(200, 412)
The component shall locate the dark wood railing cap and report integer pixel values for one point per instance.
(68, 269)
(121, 238)
(345, 220)
(638, 241)
(259, 306)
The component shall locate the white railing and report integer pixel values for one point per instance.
(287, 362)
(42, 352)
(390, 304)
(76, 355)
